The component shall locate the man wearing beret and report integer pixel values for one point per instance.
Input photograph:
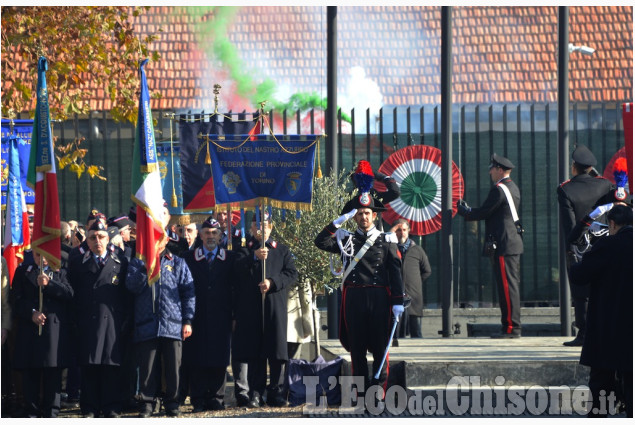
(102, 314)
(207, 352)
(163, 315)
(576, 198)
(372, 283)
(260, 313)
(504, 243)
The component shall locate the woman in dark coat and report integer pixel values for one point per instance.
(253, 342)
(42, 358)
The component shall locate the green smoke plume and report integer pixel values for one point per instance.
(211, 28)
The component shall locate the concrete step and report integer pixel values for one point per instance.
(524, 361)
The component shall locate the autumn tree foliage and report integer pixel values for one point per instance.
(86, 47)
(82, 44)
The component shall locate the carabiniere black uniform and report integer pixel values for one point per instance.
(576, 198)
(503, 245)
(369, 292)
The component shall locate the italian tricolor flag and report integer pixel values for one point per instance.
(147, 192)
(42, 178)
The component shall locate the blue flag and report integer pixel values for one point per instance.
(21, 129)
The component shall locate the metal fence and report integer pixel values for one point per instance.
(527, 134)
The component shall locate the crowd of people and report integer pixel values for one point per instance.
(100, 333)
(95, 334)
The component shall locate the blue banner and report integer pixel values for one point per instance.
(248, 168)
(197, 182)
(170, 168)
(22, 129)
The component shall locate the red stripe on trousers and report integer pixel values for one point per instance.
(501, 262)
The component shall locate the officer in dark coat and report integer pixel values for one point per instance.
(255, 342)
(415, 269)
(207, 352)
(504, 243)
(103, 311)
(576, 198)
(239, 369)
(42, 357)
(608, 344)
(373, 288)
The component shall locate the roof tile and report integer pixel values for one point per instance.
(500, 54)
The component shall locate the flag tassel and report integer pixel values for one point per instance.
(318, 174)
(208, 159)
(175, 202)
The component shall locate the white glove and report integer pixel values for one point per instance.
(397, 310)
(344, 218)
(597, 227)
(602, 209)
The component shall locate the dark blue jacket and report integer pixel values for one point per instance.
(174, 299)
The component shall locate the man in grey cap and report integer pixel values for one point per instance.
(504, 243)
(576, 198)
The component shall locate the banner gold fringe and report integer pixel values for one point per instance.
(291, 205)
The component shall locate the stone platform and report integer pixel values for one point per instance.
(432, 362)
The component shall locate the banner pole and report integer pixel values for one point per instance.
(264, 262)
(39, 327)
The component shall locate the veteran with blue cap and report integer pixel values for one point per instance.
(577, 198)
(503, 240)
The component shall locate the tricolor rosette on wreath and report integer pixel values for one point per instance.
(417, 171)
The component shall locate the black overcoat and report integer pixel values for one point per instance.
(210, 343)
(103, 308)
(498, 219)
(608, 269)
(249, 341)
(577, 196)
(52, 348)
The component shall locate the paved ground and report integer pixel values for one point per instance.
(427, 351)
